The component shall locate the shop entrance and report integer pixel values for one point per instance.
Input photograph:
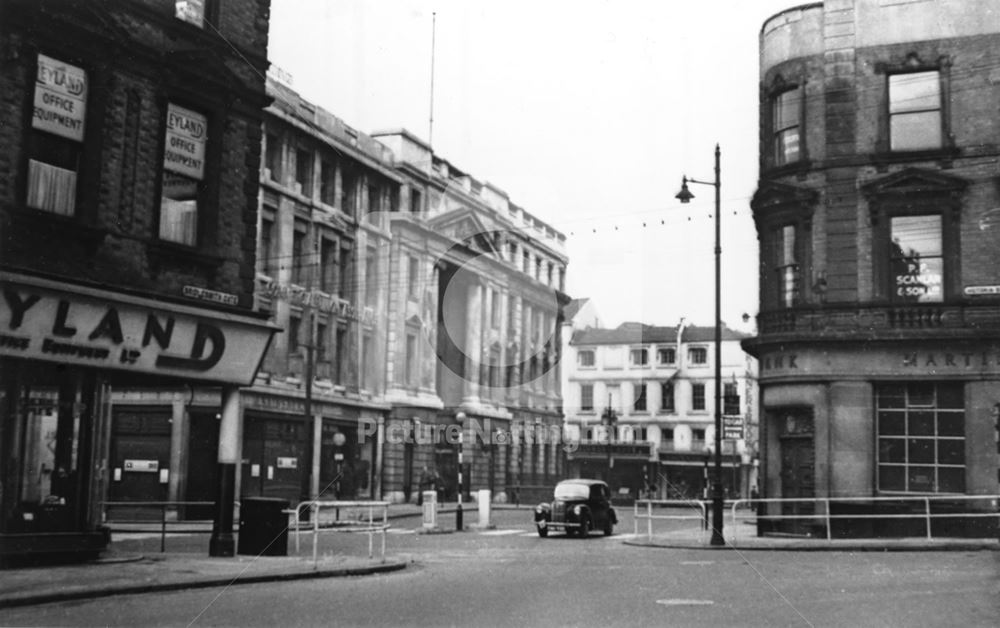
(140, 460)
(798, 467)
(203, 465)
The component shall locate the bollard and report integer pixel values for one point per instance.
(430, 509)
(484, 508)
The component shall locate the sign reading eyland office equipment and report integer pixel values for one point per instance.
(60, 98)
(55, 322)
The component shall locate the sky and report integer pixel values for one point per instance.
(585, 112)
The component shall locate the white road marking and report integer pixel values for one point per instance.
(697, 562)
(400, 531)
(502, 532)
(681, 602)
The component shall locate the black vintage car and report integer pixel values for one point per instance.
(577, 506)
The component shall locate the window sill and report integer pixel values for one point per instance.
(944, 155)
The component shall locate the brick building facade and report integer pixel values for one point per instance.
(880, 291)
(127, 207)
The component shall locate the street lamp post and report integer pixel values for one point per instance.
(460, 417)
(685, 196)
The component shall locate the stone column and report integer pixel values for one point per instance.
(473, 342)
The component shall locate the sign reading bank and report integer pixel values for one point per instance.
(42, 320)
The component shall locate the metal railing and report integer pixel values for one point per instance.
(825, 516)
(665, 503)
(748, 511)
(357, 521)
(163, 508)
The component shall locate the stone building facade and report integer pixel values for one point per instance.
(128, 198)
(879, 323)
(660, 384)
(477, 291)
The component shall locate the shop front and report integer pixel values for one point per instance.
(278, 441)
(64, 350)
(893, 421)
(626, 467)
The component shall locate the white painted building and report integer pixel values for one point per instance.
(660, 383)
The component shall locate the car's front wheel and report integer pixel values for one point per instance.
(609, 528)
(543, 530)
(584, 530)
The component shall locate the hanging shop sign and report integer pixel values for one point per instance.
(732, 427)
(55, 322)
(60, 98)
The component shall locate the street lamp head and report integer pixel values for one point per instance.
(685, 195)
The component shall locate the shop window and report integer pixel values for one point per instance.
(698, 356)
(667, 396)
(639, 397)
(915, 121)
(56, 140)
(186, 136)
(666, 355)
(786, 118)
(916, 263)
(639, 357)
(697, 396)
(786, 266)
(921, 437)
(587, 397)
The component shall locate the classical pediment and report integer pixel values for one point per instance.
(465, 227)
(773, 195)
(915, 182)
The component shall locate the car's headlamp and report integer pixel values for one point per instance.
(577, 509)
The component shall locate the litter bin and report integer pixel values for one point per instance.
(263, 526)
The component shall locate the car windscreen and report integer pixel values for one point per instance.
(572, 491)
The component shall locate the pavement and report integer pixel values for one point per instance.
(119, 572)
(746, 539)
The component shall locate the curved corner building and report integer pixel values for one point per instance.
(878, 215)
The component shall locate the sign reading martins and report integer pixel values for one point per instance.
(55, 322)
